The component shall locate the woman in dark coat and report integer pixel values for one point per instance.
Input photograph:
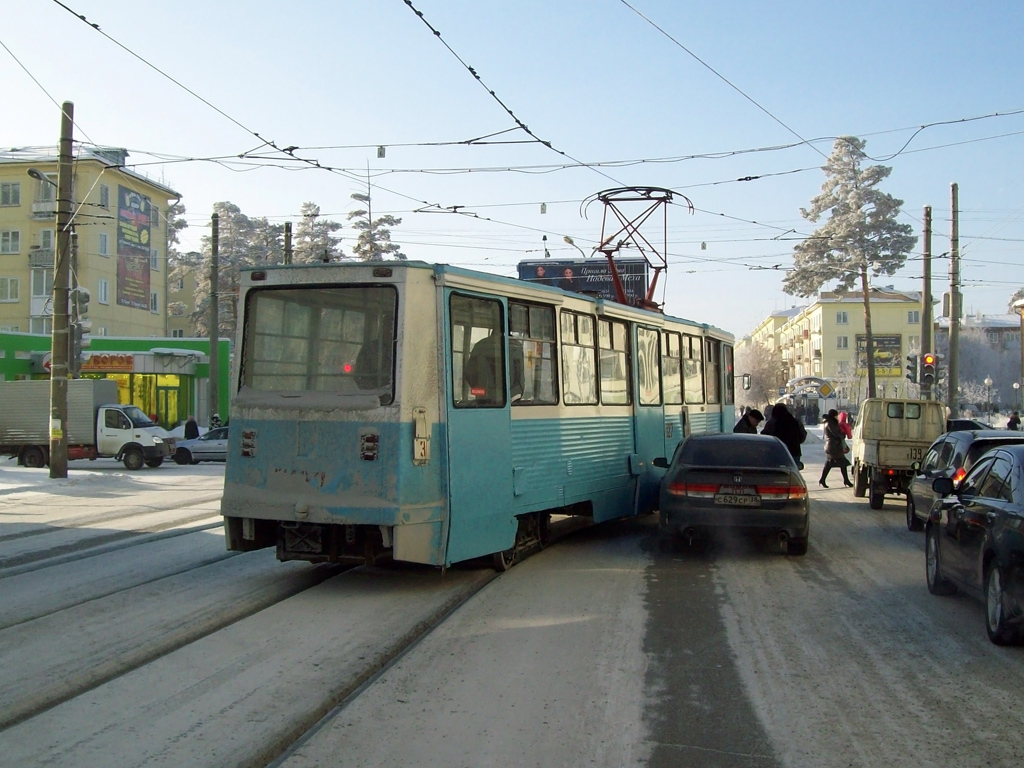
(784, 426)
(835, 449)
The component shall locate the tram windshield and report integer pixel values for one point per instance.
(338, 339)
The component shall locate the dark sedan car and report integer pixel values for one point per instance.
(975, 540)
(212, 446)
(746, 483)
(951, 455)
(956, 425)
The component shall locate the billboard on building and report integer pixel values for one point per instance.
(888, 354)
(133, 248)
(590, 276)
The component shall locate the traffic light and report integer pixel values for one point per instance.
(912, 368)
(74, 349)
(927, 369)
(80, 315)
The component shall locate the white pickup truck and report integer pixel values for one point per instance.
(889, 437)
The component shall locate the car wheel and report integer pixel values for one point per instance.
(182, 456)
(1000, 631)
(860, 481)
(134, 459)
(913, 521)
(796, 547)
(937, 583)
(154, 463)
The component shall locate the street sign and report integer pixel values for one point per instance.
(782, 391)
(825, 390)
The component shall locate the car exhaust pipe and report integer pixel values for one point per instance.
(690, 534)
(783, 537)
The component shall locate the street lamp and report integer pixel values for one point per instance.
(988, 397)
(1016, 400)
(569, 241)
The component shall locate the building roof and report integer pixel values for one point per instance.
(112, 157)
(990, 322)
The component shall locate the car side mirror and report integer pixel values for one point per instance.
(916, 466)
(942, 486)
(661, 461)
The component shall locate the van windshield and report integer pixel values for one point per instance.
(138, 417)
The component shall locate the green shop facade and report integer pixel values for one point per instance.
(167, 378)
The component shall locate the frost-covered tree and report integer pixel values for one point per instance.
(373, 242)
(766, 375)
(1015, 298)
(861, 233)
(242, 242)
(314, 237)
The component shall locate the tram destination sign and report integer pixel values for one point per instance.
(589, 276)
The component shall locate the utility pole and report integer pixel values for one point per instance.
(287, 242)
(952, 396)
(214, 312)
(61, 281)
(926, 296)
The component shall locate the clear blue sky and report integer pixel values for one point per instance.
(593, 78)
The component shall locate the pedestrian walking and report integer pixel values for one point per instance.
(1014, 421)
(191, 428)
(748, 422)
(783, 425)
(835, 449)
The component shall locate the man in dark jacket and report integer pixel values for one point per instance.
(748, 422)
(191, 428)
(783, 425)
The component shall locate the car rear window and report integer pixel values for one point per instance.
(735, 453)
(980, 447)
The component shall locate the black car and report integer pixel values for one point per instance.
(741, 482)
(951, 455)
(956, 425)
(975, 540)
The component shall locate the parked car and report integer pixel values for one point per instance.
(975, 540)
(952, 455)
(956, 425)
(211, 446)
(741, 482)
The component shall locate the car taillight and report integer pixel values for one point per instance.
(704, 490)
(959, 475)
(780, 492)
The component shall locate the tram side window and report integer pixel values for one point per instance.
(648, 365)
(693, 370)
(321, 340)
(730, 376)
(714, 368)
(672, 368)
(478, 357)
(613, 340)
(531, 351)
(579, 365)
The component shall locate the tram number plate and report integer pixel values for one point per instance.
(738, 499)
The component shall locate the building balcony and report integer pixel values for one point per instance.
(44, 209)
(41, 258)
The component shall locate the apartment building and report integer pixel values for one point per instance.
(119, 217)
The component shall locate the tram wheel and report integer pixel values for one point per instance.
(504, 560)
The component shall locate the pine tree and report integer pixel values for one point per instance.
(861, 233)
(314, 237)
(374, 240)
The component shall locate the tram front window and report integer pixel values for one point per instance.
(321, 340)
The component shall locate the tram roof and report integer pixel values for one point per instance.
(516, 287)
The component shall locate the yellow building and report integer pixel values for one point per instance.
(826, 340)
(121, 257)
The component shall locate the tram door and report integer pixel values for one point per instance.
(648, 417)
(479, 429)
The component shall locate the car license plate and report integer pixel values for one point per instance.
(734, 489)
(737, 500)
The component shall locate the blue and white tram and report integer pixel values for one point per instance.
(436, 414)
